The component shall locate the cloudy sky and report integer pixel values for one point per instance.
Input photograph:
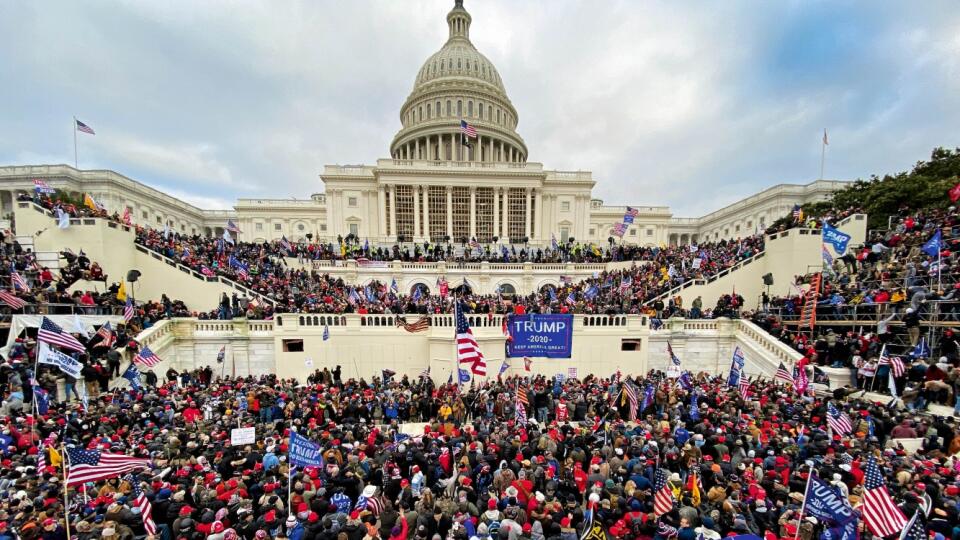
(688, 104)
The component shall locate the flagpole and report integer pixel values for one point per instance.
(803, 505)
(66, 505)
(75, 165)
(823, 152)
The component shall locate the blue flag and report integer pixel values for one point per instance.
(464, 375)
(736, 367)
(835, 237)
(694, 406)
(42, 398)
(304, 452)
(326, 332)
(685, 381)
(647, 397)
(827, 504)
(932, 246)
(132, 374)
(921, 350)
(553, 295)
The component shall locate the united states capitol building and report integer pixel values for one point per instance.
(433, 187)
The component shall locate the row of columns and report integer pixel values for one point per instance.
(500, 206)
(434, 148)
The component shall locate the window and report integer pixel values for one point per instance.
(354, 229)
(459, 108)
(448, 107)
(480, 110)
(498, 116)
(438, 211)
(565, 206)
(159, 220)
(276, 226)
(293, 345)
(404, 205)
(258, 227)
(323, 227)
(633, 232)
(629, 344)
(145, 214)
(301, 227)
(439, 110)
(420, 113)
(352, 202)
(738, 228)
(470, 108)
(649, 232)
(593, 232)
(428, 111)
(564, 234)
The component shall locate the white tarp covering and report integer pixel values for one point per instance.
(19, 323)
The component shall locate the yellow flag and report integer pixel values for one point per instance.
(695, 491)
(90, 203)
(55, 459)
(122, 292)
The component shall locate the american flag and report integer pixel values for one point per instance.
(420, 325)
(54, 335)
(797, 212)
(662, 494)
(619, 229)
(468, 351)
(916, 529)
(17, 280)
(232, 227)
(626, 283)
(41, 457)
(11, 300)
(783, 374)
(630, 215)
(521, 415)
(522, 394)
(127, 218)
(128, 311)
(630, 391)
(91, 465)
(838, 421)
(41, 186)
(146, 509)
(222, 354)
(468, 130)
(880, 513)
(83, 127)
(673, 357)
(895, 363)
(147, 358)
(285, 244)
(744, 387)
(425, 374)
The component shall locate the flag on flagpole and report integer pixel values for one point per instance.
(825, 137)
(782, 374)
(91, 465)
(146, 509)
(84, 128)
(51, 333)
(838, 421)
(425, 374)
(147, 357)
(468, 350)
(17, 280)
(326, 332)
(13, 301)
(662, 494)
(880, 513)
(222, 354)
(128, 311)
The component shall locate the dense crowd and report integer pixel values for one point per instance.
(579, 459)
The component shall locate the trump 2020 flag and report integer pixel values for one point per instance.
(304, 452)
(835, 237)
(736, 367)
(132, 374)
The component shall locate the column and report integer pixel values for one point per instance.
(490, 156)
(429, 147)
(504, 224)
(500, 153)
(473, 211)
(382, 207)
(416, 148)
(393, 212)
(496, 210)
(539, 219)
(526, 214)
(426, 212)
(477, 146)
(450, 212)
(416, 213)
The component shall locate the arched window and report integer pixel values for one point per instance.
(449, 110)
(470, 108)
(498, 116)
(420, 112)
(428, 111)
(459, 64)
(442, 64)
(459, 108)
(439, 110)
(480, 110)
(507, 289)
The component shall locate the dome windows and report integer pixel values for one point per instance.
(480, 110)
(470, 108)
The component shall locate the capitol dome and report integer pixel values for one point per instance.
(457, 84)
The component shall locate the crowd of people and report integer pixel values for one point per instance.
(578, 462)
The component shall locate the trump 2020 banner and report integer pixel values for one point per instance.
(545, 336)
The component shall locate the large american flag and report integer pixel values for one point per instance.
(421, 324)
(662, 494)
(92, 465)
(468, 130)
(83, 127)
(880, 513)
(17, 281)
(895, 363)
(744, 387)
(54, 335)
(522, 394)
(783, 374)
(11, 300)
(128, 311)
(838, 421)
(468, 351)
(146, 509)
(147, 357)
(673, 357)
(630, 391)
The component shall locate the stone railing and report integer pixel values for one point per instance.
(703, 281)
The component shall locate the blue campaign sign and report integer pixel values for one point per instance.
(836, 237)
(545, 336)
(304, 452)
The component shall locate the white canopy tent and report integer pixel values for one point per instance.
(69, 323)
